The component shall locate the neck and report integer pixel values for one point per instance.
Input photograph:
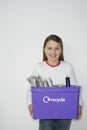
(56, 63)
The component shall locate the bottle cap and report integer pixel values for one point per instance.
(60, 85)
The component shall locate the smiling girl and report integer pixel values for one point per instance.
(54, 66)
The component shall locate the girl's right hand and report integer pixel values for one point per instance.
(30, 110)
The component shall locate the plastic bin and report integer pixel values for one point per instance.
(55, 102)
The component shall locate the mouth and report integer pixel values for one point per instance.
(53, 56)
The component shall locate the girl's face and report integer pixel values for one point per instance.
(52, 51)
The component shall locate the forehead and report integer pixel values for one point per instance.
(53, 43)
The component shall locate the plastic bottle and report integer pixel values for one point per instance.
(67, 81)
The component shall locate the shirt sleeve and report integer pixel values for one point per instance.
(73, 81)
(72, 75)
(36, 70)
(29, 93)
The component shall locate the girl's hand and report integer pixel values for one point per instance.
(79, 111)
(30, 109)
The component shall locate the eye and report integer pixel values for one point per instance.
(56, 48)
(49, 48)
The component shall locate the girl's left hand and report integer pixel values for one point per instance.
(79, 111)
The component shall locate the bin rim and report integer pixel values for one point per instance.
(55, 88)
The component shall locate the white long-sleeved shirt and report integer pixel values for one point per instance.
(57, 74)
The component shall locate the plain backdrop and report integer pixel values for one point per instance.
(24, 24)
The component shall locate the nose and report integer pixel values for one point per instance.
(53, 51)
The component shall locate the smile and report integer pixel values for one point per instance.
(52, 56)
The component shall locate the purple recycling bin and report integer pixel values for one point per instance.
(55, 102)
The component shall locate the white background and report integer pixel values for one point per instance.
(24, 24)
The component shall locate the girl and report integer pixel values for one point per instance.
(57, 69)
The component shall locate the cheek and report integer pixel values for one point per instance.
(46, 51)
(59, 52)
